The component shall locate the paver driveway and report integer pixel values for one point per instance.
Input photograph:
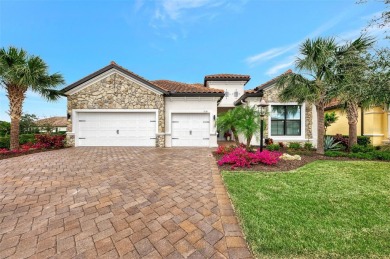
(116, 202)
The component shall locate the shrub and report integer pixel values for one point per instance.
(341, 139)
(281, 144)
(336, 153)
(4, 142)
(371, 155)
(358, 148)
(269, 141)
(222, 150)
(294, 145)
(240, 157)
(50, 141)
(363, 140)
(26, 138)
(308, 146)
(273, 147)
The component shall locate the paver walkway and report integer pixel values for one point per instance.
(116, 202)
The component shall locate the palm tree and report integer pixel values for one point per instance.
(20, 72)
(318, 60)
(228, 121)
(353, 86)
(249, 123)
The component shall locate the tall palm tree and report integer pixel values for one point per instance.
(317, 62)
(318, 57)
(353, 86)
(20, 72)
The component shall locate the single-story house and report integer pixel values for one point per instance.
(116, 107)
(53, 124)
(373, 122)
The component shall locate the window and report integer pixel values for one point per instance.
(236, 93)
(286, 120)
(226, 93)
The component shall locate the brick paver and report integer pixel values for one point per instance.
(117, 202)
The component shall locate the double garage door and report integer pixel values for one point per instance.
(139, 129)
(116, 129)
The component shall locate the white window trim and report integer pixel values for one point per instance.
(289, 138)
(75, 121)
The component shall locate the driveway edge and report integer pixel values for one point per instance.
(237, 246)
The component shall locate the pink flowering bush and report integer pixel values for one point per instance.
(43, 141)
(240, 157)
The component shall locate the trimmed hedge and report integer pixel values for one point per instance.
(371, 155)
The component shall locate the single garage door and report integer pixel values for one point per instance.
(190, 129)
(116, 129)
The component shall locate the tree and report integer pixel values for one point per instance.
(228, 121)
(20, 72)
(329, 119)
(360, 81)
(27, 123)
(317, 64)
(318, 57)
(382, 20)
(249, 123)
(5, 128)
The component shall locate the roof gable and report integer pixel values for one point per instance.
(106, 71)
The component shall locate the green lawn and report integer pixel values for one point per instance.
(327, 209)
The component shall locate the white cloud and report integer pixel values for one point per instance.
(175, 9)
(269, 54)
(277, 68)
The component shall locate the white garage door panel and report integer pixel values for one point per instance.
(116, 129)
(190, 129)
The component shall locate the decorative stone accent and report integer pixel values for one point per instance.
(160, 141)
(70, 142)
(272, 95)
(117, 92)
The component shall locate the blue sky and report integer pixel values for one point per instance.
(181, 40)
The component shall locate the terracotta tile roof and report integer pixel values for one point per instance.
(227, 77)
(271, 82)
(53, 121)
(178, 87)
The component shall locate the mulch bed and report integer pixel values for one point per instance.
(6, 156)
(283, 165)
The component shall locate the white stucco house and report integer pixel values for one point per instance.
(116, 107)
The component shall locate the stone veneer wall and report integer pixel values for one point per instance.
(272, 95)
(117, 92)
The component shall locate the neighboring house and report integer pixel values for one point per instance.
(375, 123)
(115, 107)
(54, 124)
(285, 121)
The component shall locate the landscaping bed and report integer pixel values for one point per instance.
(39, 143)
(325, 209)
(306, 156)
